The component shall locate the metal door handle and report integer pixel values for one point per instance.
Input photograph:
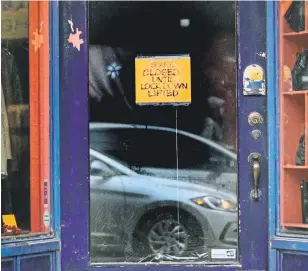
(255, 160)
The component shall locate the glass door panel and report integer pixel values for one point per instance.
(163, 184)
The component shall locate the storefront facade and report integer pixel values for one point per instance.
(213, 178)
(29, 117)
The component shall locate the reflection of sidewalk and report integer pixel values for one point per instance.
(195, 258)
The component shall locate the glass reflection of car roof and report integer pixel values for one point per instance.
(211, 143)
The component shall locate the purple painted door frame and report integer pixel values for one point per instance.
(251, 30)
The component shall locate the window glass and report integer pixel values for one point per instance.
(100, 169)
(25, 201)
(175, 199)
(15, 147)
(293, 95)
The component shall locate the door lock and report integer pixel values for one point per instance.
(255, 118)
(255, 161)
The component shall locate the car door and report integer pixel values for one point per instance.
(107, 197)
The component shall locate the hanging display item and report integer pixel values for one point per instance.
(287, 78)
(295, 16)
(300, 71)
(300, 153)
(304, 194)
(5, 137)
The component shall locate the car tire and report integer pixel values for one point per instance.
(169, 232)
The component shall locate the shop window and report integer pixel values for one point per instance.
(293, 93)
(163, 179)
(25, 176)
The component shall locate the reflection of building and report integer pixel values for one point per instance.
(219, 67)
(14, 18)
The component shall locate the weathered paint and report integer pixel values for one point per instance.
(74, 138)
(39, 112)
(289, 260)
(272, 106)
(42, 250)
(254, 215)
(74, 145)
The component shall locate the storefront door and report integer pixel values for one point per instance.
(163, 135)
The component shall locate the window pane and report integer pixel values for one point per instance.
(15, 147)
(176, 197)
(293, 95)
(25, 194)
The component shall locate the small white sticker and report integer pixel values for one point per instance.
(46, 218)
(223, 254)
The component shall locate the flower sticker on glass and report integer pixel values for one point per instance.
(114, 70)
(74, 37)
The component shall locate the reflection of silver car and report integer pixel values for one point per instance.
(148, 199)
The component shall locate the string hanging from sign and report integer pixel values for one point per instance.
(177, 167)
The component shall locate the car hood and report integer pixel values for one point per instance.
(168, 186)
(223, 180)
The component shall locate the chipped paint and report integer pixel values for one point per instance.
(294, 246)
(38, 38)
(74, 37)
(262, 54)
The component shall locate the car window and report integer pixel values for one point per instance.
(194, 154)
(144, 148)
(121, 145)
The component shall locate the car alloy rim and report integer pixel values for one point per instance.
(168, 236)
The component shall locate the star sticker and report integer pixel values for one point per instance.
(38, 38)
(74, 37)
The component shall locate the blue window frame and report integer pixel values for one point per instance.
(278, 240)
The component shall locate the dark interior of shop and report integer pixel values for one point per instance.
(154, 28)
(121, 31)
(15, 86)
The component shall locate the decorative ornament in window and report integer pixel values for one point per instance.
(114, 70)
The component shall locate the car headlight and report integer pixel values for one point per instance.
(216, 203)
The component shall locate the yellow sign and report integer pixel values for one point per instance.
(163, 80)
(9, 220)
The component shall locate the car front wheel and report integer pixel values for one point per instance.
(170, 233)
(168, 236)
